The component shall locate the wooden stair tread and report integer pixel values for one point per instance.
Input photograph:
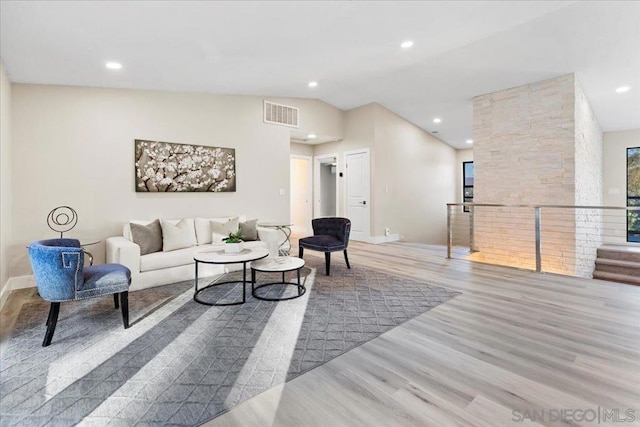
(615, 277)
(621, 248)
(618, 262)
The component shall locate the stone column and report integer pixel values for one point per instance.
(536, 144)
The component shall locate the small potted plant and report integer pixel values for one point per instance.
(233, 243)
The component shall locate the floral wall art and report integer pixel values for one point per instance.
(171, 167)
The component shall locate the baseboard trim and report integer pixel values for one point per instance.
(384, 239)
(13, 283)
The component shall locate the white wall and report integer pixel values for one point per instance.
(5, 181)
(413, 174)
(359, 132)
(415, 177)
(74, 146)
(316, 116)
(301, 149)
(615, 165)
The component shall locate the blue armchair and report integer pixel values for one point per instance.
(329, 235)
(58, 267)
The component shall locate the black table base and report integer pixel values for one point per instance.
(254, 288)
(244, 282)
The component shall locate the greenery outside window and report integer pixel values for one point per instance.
(467, 183)
(633, 194)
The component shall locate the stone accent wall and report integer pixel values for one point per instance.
(526, 151)
(589, 155)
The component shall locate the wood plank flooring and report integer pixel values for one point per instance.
(514, 341)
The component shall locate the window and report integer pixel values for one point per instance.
(633, 194)
(467, 183)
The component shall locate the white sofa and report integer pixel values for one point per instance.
(161, 268)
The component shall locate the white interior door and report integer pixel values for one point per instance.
(301, 193)
(358, 206)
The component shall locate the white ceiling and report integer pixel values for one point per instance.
(461, 50)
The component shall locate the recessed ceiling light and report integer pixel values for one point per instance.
(113, 65)
(312, 136)
(469, 141)
(437, 120)
(623, 89)
(313, 84)
(406, 44)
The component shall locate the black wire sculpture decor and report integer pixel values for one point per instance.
(62, 219)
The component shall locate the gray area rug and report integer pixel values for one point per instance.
(183, 363)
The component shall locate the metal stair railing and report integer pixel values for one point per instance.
(543, 238)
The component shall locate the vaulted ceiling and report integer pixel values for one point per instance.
(352, 49)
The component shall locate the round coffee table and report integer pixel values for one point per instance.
(221, 257)
(281, 264)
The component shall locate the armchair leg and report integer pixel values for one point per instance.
(300, 252)
(346, 258)
(327, 261)
(51, 323)
(115, 301)
(124, 300)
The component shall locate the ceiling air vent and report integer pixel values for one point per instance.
(279, 114)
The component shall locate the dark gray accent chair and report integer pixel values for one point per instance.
(329, 235)
(58, 267)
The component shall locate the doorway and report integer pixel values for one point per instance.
(300, 193)
(357, 193)
(325, 185)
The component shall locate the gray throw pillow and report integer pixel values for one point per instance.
(148, 237)
(221, 230)
(249, 230)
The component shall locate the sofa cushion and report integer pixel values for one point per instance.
(203, 228)
(221, 231)
(178, 235)
(148, 237)
(160, 260)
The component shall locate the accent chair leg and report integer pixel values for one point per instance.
(327, 262)
(300, 252)
(51, 323)
(124, 302)
(116, 303)
(346, 258)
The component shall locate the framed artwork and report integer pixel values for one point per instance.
(172, 167)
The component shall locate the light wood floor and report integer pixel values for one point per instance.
(515, 340)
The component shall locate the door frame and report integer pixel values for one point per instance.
(316, 183)
(309, 186)
(367, 235)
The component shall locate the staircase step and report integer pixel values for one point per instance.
(620, 278)
(620, 252)
(629, 268)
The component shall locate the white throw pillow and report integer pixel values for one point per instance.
(221, 231)
(203, 228)
(179, 235)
